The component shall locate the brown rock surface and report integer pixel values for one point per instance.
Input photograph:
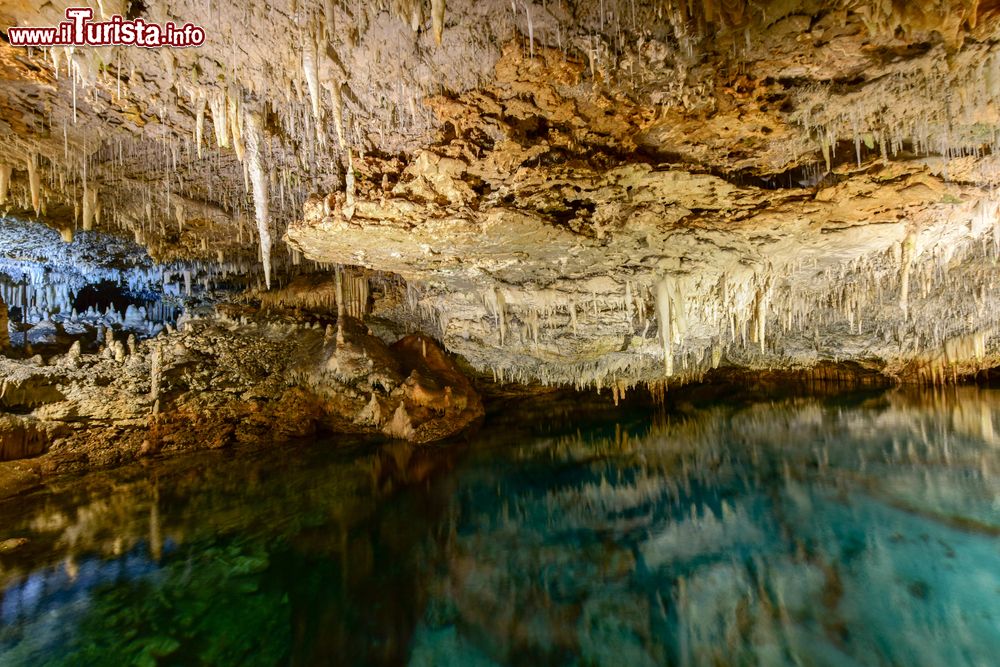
(221, 382)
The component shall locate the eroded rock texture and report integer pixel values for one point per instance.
(230, 379)
(593, 193)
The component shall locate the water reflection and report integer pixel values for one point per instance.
(863, 530)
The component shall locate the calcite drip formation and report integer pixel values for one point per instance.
(603, 194)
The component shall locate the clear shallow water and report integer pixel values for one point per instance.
(862, 531)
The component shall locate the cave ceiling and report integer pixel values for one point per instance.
(597, 193)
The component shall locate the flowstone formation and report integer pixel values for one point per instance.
(601, 194)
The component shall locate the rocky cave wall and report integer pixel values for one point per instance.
(588, 193)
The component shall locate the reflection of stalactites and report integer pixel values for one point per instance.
(155, 530)
(71, 568)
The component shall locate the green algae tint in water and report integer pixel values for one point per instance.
(790, 533)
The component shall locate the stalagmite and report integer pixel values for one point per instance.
(259, 181)
(35, 182)
(5, 171)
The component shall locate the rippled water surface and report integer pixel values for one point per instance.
(850, 531)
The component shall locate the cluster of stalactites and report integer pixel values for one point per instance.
(763, 316)
(355, 293)
(890, 114)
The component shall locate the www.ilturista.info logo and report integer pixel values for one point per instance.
(79, 30)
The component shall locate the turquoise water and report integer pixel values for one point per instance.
(850, 531)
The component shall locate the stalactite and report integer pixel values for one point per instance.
(437, 19)
(341, 306)
(355, 293)
(663, 320)
(496, 306)
(348, 208)
(258, 178)
(908, 250)
(89, 205)
(5, 172)
(199, 126)
(310, 68)
(235, 116)
(35, 182)
(220, 119)
(338, 112)
(758, 326)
